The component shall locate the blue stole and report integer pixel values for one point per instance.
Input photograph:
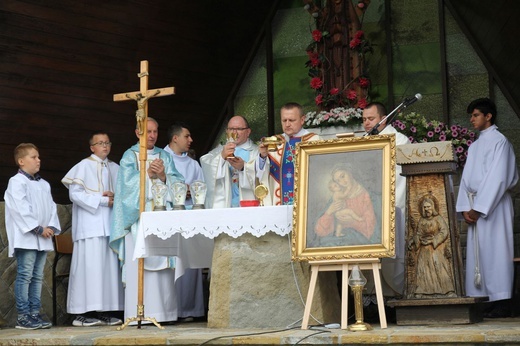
(235, 189)
(284, 175)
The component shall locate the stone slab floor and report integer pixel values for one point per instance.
(491, 331)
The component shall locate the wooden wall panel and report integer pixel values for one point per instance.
(61, 61)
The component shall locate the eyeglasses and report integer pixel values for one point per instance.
(103, 144)
(236, 128)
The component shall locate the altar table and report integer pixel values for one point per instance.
(188, 234)
(254, 283)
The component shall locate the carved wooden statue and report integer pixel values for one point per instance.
(429, 257)
(433, 264)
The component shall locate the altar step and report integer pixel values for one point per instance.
(496, 331)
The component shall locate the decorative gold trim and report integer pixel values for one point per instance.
(385, 146)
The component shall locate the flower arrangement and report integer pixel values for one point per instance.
(420, 130)
(355, 92)
(335, 117)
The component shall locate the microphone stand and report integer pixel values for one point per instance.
(390, 116)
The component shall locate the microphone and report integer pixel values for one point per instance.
(410, 100)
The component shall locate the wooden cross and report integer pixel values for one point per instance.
(141, 97)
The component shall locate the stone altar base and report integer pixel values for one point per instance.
(253, 285)
(410, 312)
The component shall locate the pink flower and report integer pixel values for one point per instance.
(334, 91)
(362, 103)
(315, 62)
(364, 82)
(316, 83)
(316, 35)
(354, 43)
(319, 99)
(361, 5)
(351, 94)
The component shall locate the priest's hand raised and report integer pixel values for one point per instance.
(228, 150)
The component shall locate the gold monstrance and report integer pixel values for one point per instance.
(261, 192)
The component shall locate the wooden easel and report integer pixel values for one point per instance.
(345, 266)
(141, 97)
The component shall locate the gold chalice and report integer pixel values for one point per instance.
(271, 142)
(232, 138)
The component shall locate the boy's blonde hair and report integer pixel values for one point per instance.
(22, 150)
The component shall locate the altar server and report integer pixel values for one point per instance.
(189, 287)
(160, 300)
(31, 220)
(485, 202)
(95, 277)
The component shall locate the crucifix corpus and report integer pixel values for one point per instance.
(141, 97)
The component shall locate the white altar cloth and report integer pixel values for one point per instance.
(188, 234)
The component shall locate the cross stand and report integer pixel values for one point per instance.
(141, 97)
(345, 265)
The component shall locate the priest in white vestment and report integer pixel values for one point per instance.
(160, 300)
(229, 170)
(95, 277)
(276, 169)
(189, 287)
(392, 269)
(485, 202)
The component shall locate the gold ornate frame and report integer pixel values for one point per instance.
(371, 161)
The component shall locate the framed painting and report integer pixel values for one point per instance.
(344, 199)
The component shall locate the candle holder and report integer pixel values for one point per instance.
(198, 194)
(159, 190)
(179, 196)
(357, 281)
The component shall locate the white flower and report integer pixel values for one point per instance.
(335, 117)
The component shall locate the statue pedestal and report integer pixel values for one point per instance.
(255, 284)
(410, 312)
(434, 290)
